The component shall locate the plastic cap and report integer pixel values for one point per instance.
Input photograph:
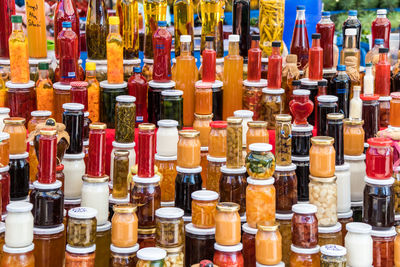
(304, 208)
(66, 24)
(326, 13)
(234, 38)
(151, 254)
(378, 42)
(316, 36)
(351, 31)
(341, 68)
(383, 50)
(43, 66)
(333, 250)
(169, 213)
(90, 66)
(18, 19)
(276, 44)
(352, 12)
(301, 8)
(137, 70)
(162, 23)
(360, 228)
(186, 38)
(114, 20)
(381, 12)
(20, 206)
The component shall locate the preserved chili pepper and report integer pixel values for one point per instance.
(382, 73)
(115, 53)
(299, 45)
(326, 28)
(137, 87)
(7, 9)
(162, 41)
(146, 150)
(47, 156)
(97, 150)
(315, 61)
(96, 30)
(254, 60)
(19, 56)
(209, 60)
(67, 43)
(79, 93)
(275, 67)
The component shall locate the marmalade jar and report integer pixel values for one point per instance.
(268, 244)
(249, 245)
(232, 187)
(322, 157)
(203, 98)
(124, 226)
(285, 228)
(257, 133)
(217, 139)
(227, 224)
(304, 226)
(202, 124)
(15, 127)
(227, 256)
(199, 244)
(260, 162)
(214, 172)
(123, 256)
(383, 247)
(286, 188)
(234, 143)
(170, 231)
(115, 201)
(353, 137)
(301, 257)
(77, 256)
(204, 208)
(189, 149)
(323, 194)
(18, 257)
(167, 167)
(50, 246)
(330, 235)
(379, 158)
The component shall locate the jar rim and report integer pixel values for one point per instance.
(269, 91)
(350, 121)
(41, 113)
(257, 124)
(61, 86)
(190, 228)
(284, 216)
(204, 195)
(128, 250)
(307, 81)
(345, 215)
(172, 93)
(167, 85)
(48, 231)
(327, 98)
(82, 213)
(234, 120)
(125, 99)
(283, 117)
(330, 229)
(24, 155)
(91, 179)
(335, 116)
(303, 208)
(250, 230)
(115, 201)
(146, 127)
(359, 228)
(379, 141)
(151, 254)
(104, 227)
(234, 248)
(115, 144)
(48, 131)
(228, 207)
(151, 180)
(98, 126)
(304, 250)
(189, 170)
(268, 227)
(124, 208)
(80, 250)
(260, 83)
(146, 231)
(203, 116)
(188, 133)
(287, 168)
(226, 170)
(216, 159)
(73, 106)
(14, 121)
(322, 140)
(343, 167)
(302, 129)
(384, 98)
(243, 113)
(41, 186)
(76, 201)
(12, 85)
(388, 181)
(74, 156)
(301, 92)
(260, 147)
(19, 207)
(106, 85)
(169, 213)
(333, 250)
(167, 123)
(354, 158)
(323, 180)
(21, 250)
(369, 97)
(78, 84)
(165, 158)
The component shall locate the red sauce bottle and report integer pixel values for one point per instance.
(299, 45)
(381, 27)
(162, 41)
(254, 60)
(275, 67)
(315, 61)
(137, 87)
(67, 42)
(209, 61)
(326, 28)
(382, 73)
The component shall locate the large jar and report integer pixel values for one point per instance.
(214, 172)
(49, 246)
(167, 138)
(283, 140)
(257, 133)
(301, 140)
(170, 232)
(187, 181)
(73, 119)
(323, 194)
(18, 257)
(272, 104)
(108, 100)
(286, 188)
(232, 187)
(358, 243)
(226, 256)
(172, 106)
(199, 244)
(285, 228)
(103, 241)
(21, 99)
(202, 124)
(304, 226)
(81, 227)
(19, 176)
(151, 257)
(268, 244)
(154, 98)
(353, 137)
(19, 225)
(333, 255)
(378, 204)
(330, 235)
(61, 95)
(204, 208)
(234, 143)
(260, 162)
(357, 174)
(217, 139)
(74, 169)
(76, 256)
(123, 256)
(124, 226)
(95, 193)
(122, 146)
(301, 257)
(189, 149)
(249, 245)
(322, 157)
(15, 127)
(303, 174)
(379, 158)
(252, 96)
(227, 224)
(125, 118)
(383, 247)
(167, 167)
(343, 182)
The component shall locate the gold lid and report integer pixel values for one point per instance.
(322, 140)
(121, 153)
(147, 126)
(228, 206)
(283, 117)
(48, 131)
(268, 226)
(335, 116)
(189, 133)
(91, 179)
(14, 121)
(125, 208)
(353, 121)
(257, 124)
(146, 231)
(203, 117)
(234, 120)
(323, 180)
(98, 126)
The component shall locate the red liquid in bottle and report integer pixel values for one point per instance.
(5, 191)
(301, 106)
(382, 74)
(381, 27)
(254, 60)
(275, 67)
(47, 156)
(97, 150)
(67, 42)
(326, 28)
(137, 87)
(7, 9)
(162, 41)
(209, 61)
(315, 59)
(79, 93)
(299, 45)
(146, 150)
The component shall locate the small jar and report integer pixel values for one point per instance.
(252, 96)
(167, 167)
(379, 160)
(383, 247)
(202, 124)
(167, 138)
(189, 149)
(378, 204)
(5, 188)
(322, 157)
(353, 137)
(359, 245)
(18, 257)
(172, 106)
(370, 115)
(123, 256)
(286, 188)
(304, 226)
(147, 70)
(199, 244)
(125, 117)
(73, 119)
(357, 174)
(249, 244)
(108, 101)
(333, 255)
(15, 127)
(95, 192)
(120, 174)
(71, 203)
(326, 104)
(77, 256)
(302, 174)
(304, 257)
(225, 256)
(272, 104)
(285, 228)
(130, 147)
(21, 99)
(203, 98)
(217, 139)
(234, 143)
(330, 235)
(103, 241)
(4, 148)
(170, 227)
(323, 194)
(217, 99)
(146, 194)
(48, 204)
(260, 162)
(124, 226)
(204, 208)
(37, 117)
(246, 116)
(384, 111)
(49, 245)
(4, 113)
(81, 227)
(19, 176)
(74, 169)
(114, 202)
(283, 140)
(19, 225)
(214, 172)
(227, 224)
(268, 244)
(187, 181)
(62, 95)
(344, 218)
(343, 182)
(151, 257)
(146, 150)
(232, 187)
(301, 140)
(257, 133)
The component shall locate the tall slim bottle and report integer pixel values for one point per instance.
(36, 24)
(96, 29)
(185, 78)
(233, 78)
(352, 22)
(154, 11)
(254, 60)
(19, 56)
(137, 87)
(315, 60)
(326, 28)
(67, 42)
(275, 67)
(382, 73)
(7, 9)
(128, 13)
(162, 42)
(183, 16)
(44, 89)
(373, 55)
(209, 61)
(241, 24)
(115, 53)
(350, 55)
(299, 45)
(356, 104)
(340, 87)
(381, 27)
(368, 80)
(211, 13)
(93, 92)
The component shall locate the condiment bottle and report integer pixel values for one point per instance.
(162, 41)
(275, 67)
(382, 73)
(315, 61)
(326, 28)
(353, 22)
(67, 44)
(254, 60)
(380, 27)
(44, 89)
(299, 45)
(350, 54)
(115, 53)
(209, 58)
(137, 87)
(356, 104)
(18, 45)
(340, 87)
(368, 80)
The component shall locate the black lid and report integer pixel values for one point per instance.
(209, 38)
(322, 83)
(316, 36)
(296, 83)
(383, 50)
(276, 44)
(255, 37)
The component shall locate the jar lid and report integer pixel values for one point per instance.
(384, 233)
(61, 86)
(330, 229)
(106, 85)
(219, 60)
(283, 216)
(217, 83)
(369, 97)
(389, 181)
(148, 60)
(257, 124)
(283, 117)
(85, 143)
(205, 195)
(301, 92)
(304, 208)
(322, 140)
(228, 207)
(172, 93)
(73, 106)
(19, 156)
(76, 201)
(350, 121)
(151, 254)
(287, 168)
(4, 169)
(335, 116)
(12, 85)
(36, 61)
(146, 231)
(187, 219)
(327, 99)
(4, 61)
(395, 95)
(190, 228)
(77, 250)
(384, 98)
(11, 250)
(188, 170)
(379, 141)
(267, 227)
(165, 158)
(204, 148)
(345, 215)
(226, 170)
(218, 124)
(167, 123)
(280, 264)
(103, 227)
(329, 71)
(4, 136)
(97, 126)
(203, 85)
(304, 250)
(302, 129)
(151, 180)
(301, 159)
(118, 200)
(356, 204)
(333, 250)
(273, 91)
(188, 133)
(4, 110)
(307, 81)
(343, 167)
(167, 85)
(128, 250)
(354, 158)
(168, 204)
(131, 61)
(124, 208)
(86, 114)
(91, 179)
(260, 83)
(323, 180)
(169, 213)
(234, 120)
(82, 213)
(19, 207)
(41, 113)
(260, 147)
(359, 228)
(250, 230)
(264, 60)
(74, 156)
(203, 117)
(243, 113)
(115, 144)
(14, 121)
(56, 185)
(233, 248)
(125, 98)
(48, 231)
(214, 159)
(268, 181)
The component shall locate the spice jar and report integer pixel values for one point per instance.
(146, 150)
(147, 237)
(77, 256)
(167, 138)
(232, 187)
(257, 133)
(125, 118)
(342, 173)
(330, 235)
(204, 203)
(172, 106)
(379, 158)
(5, 188)
(353, 137)
(225, 256)
(4, 148)
(214, 172)
(21, 99)
(187, 181)
(151, 257)
(326, 104)
(124, 226)
(260, 162)
(370, 115)
(95, 193)
(50, 246)
(19, 225)
(103, 241)
(120, 174)
(333, 255)
(301, 140)
(272, 104)
(304, 226)
(4, 113)
(234, 143)
(217, 139)
(15, 127)
(169, 227)
(73, 119)
(249, 244)
(130, 147)
(357, 174)
(268, 244)
(199, 244)
(167, 167)
(108, 101)
(123, 256)
(227, 224)
(62, 95)
(252, 96)
(74, 169)
(285, 228)
(189, 149)
(304, 256)
(37, 117)
(322, 157)
(358, 243)
(283, 139)
(323, 194)
(383, 247)
(19, 176)
(202, 124)
(286, 188)
(18, 257)
(203, 98)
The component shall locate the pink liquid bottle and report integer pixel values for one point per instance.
(315, 60)
(326, 28)
(162, 41)
(209, 61)
(67, 41)
(382, 73)
(137, 87)
(299, 45)
(275, 67)
(381, 27)
(254, 60)
(7, 9)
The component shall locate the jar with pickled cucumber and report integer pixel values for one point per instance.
(260, 162)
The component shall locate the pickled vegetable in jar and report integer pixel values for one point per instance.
(283, 140)
(169, 227)
(252, 96)
(330, 235)
(108, 100)
(214, 172)
(260, 162)
(125, 118)
(189, 149)
(187, 181)
(15, 127)
(322, 157)
(257, 133)
(123, 256)
(204, 208)
(81, 227)
(202, 124)
(268, 244)
(151, 257)
(124, 226)
(146, 150)
(246, 116)
(217, 139)
(167, 167)
(353, 137)
(383, 247)
(272, 105)
(304, 226)
(19, 56)
(301, 257)
(272, 17)
(333, 256)
(234, 143)
(379, 158)
(78, 256)
(226, 256)
(232, 187)
(227, 224)
(285, 228)
(175, 256)
(18, 257)
(120, 174)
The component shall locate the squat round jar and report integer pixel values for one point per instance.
(49, 246)
(301, 257)
(257, 133)
(19, 224)
(286, 188)
(95, 194)
(77, 256)
(304, 226)
(268, 244)
(199, 244)
(18, 257)
(151, 257)
(123, 256)
(330, 235)
(204, 208)
(333, 255)
(15, 127)
(227, 224)
(358, 243)
(383, 247)
(260, 162)
(226, 256)
(81, 227)
(169, 227)
(124, 226)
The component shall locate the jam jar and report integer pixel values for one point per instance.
(167, 138)
(217, 139)
(19, 176)
(5, 188)
(322, 157)
(285, 228)
(15, 127)
(272, 104)
(189, 149)
(202, 124)
(330, 235)
(95, 194)
(249, 245)
(47, 155)
(260, 162)
(49, 246)
(4, 148)
(19, 224)
(283, 139)
(214, 172)
(81, 227)
(124, 226)
(268, 244)
(108, 101)
(227, 224)
(359, 244)
(301, 257)
(333, 255)
(204, 208)
(304, 226)
(167, 167)
(78, 256)
(234, 143)
(326, 104)
(187, 181)
(123, 256)
(226, 256)
(370, 115)
(379, 160)
(151, 257)
(73, 119)
(302, 174)
(383, 247)
(21, 99)
(353, 137)
(169, 227)
(286, 188)
(257, 133)
(301, 140)
(103, 241)
(378, 204)
(301, 107)
(232, 187)
(18, 257)
(252, 95)
(147, 237)
(48, 204)
(199, 244)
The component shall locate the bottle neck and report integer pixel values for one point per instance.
(326, 19)
(209, 45)
(276, 51)
(301, 15)
(316, 43)
(43, 74)
(356, 94)
(255, 43)
(233, 48)
(350, 41)
(114, 28)
(368, 71)
(383, 57)
(17, 26)
(185, 48)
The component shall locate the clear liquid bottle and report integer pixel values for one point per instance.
(19, 55)
(96, 29)
(162, 41)
(300, 45)
(93, 92)
(211, 14)
(7, 9)
(356, 104)
(373, 54)
(44, 89)
(275, 67)
(381, 27)
(326, 28)
(382, 73)
(183, 18)
(254, 60)
(350, 55)
(127, 11)
(209, 61)
(241, 24)
(315, 59)
(115, 53)
(36, 25)
(340, 87)
(154, 11)
(137, 87)
(368, 80)
(352, 22)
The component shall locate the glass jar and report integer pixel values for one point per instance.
(204, 208)
(333, 255)
(217, 100)
(15, 127)
(323, 194)
(130, 147)
(71, 203)
(146, 194)
(5, 188)
(344, 218)
(74, 169)
(167, 167)
(124, 226)
(232, 187)
(187, 181)
(326, 104)
(202, 124)
(370, 115)
(260, 162)
(169, 227)
(246, 116)
(33, 163)
(330, 235)
(302, 174)
(18, 257)
(48, 204)
(73, 119)
(203, 98)
(101, 69)
(214, 172)
(189, 149)
(154, 98)
(21, 99)
(147, 237)
(304, 226)
(4, 113)
(286, 188)
(123, 256)
(383, 247)
(353, 137)
(384, 111)
(120, 175)
(257, 133)
(97, 147)
(103, 241)
(151, 257)
(283, 139)
(146, 150)
(397, 247)
(379, 160)
(81, 229)
(114, 202)
(49, 246)
(226, 256)
(95, 193)
(148, 68)
(301, 140)
(252, 96)
(125, 117)
(129, 64)
(62, 95)
(77, 256)
(108, 100)
(19, 176)
(37, 117)
(285, 228)
(167, 138)
(357, 174)
(268, 244)
(301, 107)
(4, 148)
(199, 244)
(343, 182)
(378, 205)
(19, 224)
(249, 245)
(301, 257)
(227, 224)
(234, 143)
(86, 122)
(272, 104)
(359, 245)
(217, 139)
(322, 157)
(172, 106)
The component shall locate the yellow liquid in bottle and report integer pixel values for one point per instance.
(93, 98)
(127, 11)
(271, 22)
(154, 11)
(3, 89)
(36, 28)
(44, 95)
(183, 16)
(115, 57)
(19, 64)
(211, 15)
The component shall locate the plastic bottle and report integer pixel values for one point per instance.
(137, 87)
(381, 27)
(162, 41)
(299, 45)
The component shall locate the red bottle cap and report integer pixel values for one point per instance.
(219, 124)
(379, 141)
(60, 167)
(369, 97)
(395, 95)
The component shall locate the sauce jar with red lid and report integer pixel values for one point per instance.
(379, 158)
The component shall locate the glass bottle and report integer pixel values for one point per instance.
(19, 56)
(352, 22)
(93, 91)
(301, 106)
(382, 73)
(326, 28)
(36, 25)
(315, 63)
(211, 13)
(368, 80)
(7, 9)
(373, 55)
(209, 61)
(127, 11)
(96, 29)
(356, 104)
(97, 148)
(146, 150)
(137, 87)
(340, 87)
(67, 43)
(233, 78)
(162, 41)
(271, 22)
(44, 89)
(381, 27)
(350, 54)
(72, 118)
(254, 60)
(241, 24)
(299, 45)
(370, 115)
(183, 20)
(275, 67)
(115, 53)
(154, 11)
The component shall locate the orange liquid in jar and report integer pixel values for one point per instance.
(217, 140)
(227, 227)
(203, 101)
(268, 247)
(322, 159)
(353, 139)
(189, 151)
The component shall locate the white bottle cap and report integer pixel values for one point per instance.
(234, 38)
(186, 38)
